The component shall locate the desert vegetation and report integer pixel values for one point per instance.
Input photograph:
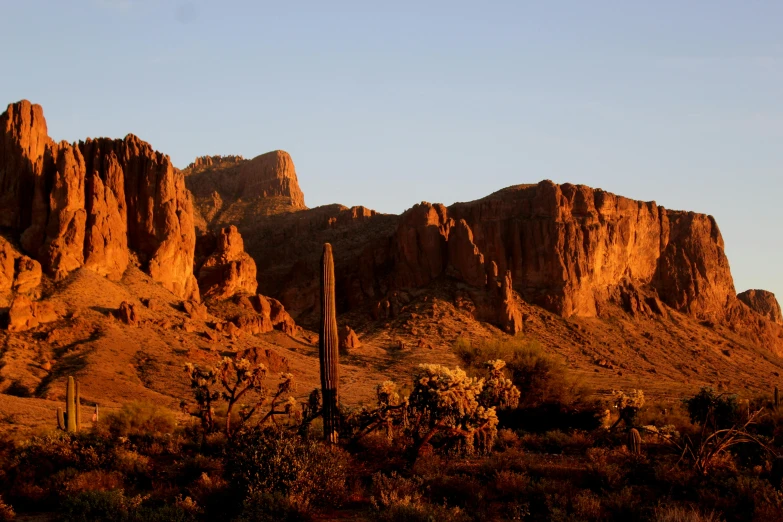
(458, 444)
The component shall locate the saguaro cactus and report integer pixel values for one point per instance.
(71, 419)
(70, 406)
(78, 407)
(634, 442)
(328, 348)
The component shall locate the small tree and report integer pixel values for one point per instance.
(232, 380)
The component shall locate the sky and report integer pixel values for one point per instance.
(386, 104)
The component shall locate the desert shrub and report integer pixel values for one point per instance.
(508, 485)
(74, 482)
(540, 377)
(716, 411)
(394, 490)
(270, 507)
(130, 462)
(398, 499)
(742, 497)
(506, 439)
(624, 504)
(7, 513)
(550, 397)
(461, 490)
(307, 471)
(557, 442)
(117, 507)
(139, 418)
(211, 492)
(677, 513)
(606, 469)
(586, 506)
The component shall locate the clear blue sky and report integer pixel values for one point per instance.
(386, 104)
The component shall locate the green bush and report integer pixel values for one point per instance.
(308, 472)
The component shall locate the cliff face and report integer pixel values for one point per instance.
(229, 190)
(90, 204)
(567, 248)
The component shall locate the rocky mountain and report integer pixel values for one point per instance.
(107, 251)
(95, 203)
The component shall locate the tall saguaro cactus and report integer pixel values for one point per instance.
(71, 424)
(71, 419)
(328, 347)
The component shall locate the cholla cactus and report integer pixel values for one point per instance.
(449, 403)
(628, 405)
(498, 389)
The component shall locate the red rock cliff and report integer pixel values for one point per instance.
(88, 204)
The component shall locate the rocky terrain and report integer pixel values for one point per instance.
(117, 267)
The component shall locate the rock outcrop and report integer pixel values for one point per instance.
(764, 303)
(265, 185)
(25, 314)
(229, 270)
(264, 314)
(347, 339)
(19, 274)
(91, 203)
(127, 313)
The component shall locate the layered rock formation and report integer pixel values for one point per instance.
(89, 204)
(229, 270)
(229, 189)
(764, 303)
(568, 248)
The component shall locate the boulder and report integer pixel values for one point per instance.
(348, 340)
(127, 313)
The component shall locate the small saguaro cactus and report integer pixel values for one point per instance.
(70, 420)
(634, 442)
(328, 348)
